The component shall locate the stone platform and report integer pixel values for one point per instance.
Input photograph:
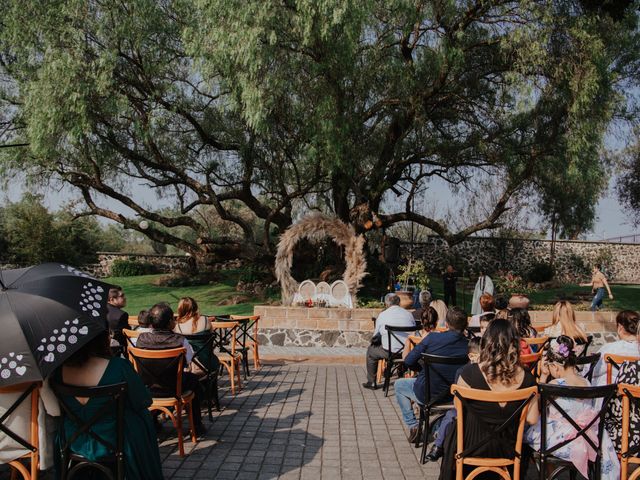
(345, 327)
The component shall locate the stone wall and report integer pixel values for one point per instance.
(343, 327)
(163, 263)
(621, 261)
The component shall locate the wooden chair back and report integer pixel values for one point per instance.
(587, 364)
(549, 396)
(28, 392)
(71, 463)
(542, 328)
(539, 342)
(531, 362)
(630, 395)
(226, 335)
(498, 465)
(133, 321)
(612, 360)
(130, 335)
(153, 365)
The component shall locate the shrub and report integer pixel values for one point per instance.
(541, 272)
(131, 268)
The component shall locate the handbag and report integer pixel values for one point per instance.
(376, 340)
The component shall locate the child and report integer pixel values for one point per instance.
(484, 322)
(437, 450)
(143, 325)
(560, 363)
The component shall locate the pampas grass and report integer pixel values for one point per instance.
(315, 227)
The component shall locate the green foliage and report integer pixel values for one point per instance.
(540, 272)
(507, 283)
(31, 234)
(271, 107)
(131, 268)
(415, 271)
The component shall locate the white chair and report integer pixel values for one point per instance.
(323, 293)
(306, 292)
(340, 295)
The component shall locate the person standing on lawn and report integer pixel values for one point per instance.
(598, 285)
(449, 279)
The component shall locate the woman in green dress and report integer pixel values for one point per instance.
(93, 366)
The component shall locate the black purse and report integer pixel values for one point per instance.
(376, 340)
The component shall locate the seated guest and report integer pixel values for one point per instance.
(485, 320)
(441, 308)
(521, 321)
(91, 366)
(189, 321)
(560, 364)
(498, 369)
(451, 343)
(429, 320)
(143, 325)
(564, 323)
(117, 319)
(449, 418)
(502, 307)
(629, 373)
(627, 327)
(162, 337)
(396, 316)
(488, 304)
(425, 300)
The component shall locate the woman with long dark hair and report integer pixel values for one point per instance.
(498, 370)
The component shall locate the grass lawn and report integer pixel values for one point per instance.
(625, 297)
(142, 294)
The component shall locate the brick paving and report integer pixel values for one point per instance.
(298, 421)
(302, 422)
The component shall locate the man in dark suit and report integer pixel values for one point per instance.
(116, 317)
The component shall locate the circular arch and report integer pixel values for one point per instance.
(316, 226)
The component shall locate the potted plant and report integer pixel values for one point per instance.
(513, 286)
(414, 270)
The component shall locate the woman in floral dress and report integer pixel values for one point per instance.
(560, 362)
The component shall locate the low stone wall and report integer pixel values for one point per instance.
(163, 263)
(343, 327)
(573, 259)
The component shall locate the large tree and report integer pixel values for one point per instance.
(278, 106)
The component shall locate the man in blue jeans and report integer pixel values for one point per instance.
(451, 343)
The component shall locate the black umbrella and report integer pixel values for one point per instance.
(47, 313)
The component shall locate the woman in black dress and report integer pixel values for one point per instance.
(498, 370)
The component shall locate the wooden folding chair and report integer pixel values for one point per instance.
(71, 463)
(613, 360)
(531, 362)
(130, 335)
(156, 368)
(538, 342)
(587, 364)
(25, 390)
(247, 337)
(436, 404)
(205, 359)
(541, 328)
(461, 396)
(630, 394)
(225, 344)
(549, 394)
(394, 356)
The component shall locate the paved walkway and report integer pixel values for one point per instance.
(302, 422)
(299, 421)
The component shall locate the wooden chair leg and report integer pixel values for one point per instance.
(238, 372)
(232, 376)
(256, 357)
(192, 426)
(178, 422)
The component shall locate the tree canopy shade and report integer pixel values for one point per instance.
(269, 107)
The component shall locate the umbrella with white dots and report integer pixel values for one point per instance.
(47, 313)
